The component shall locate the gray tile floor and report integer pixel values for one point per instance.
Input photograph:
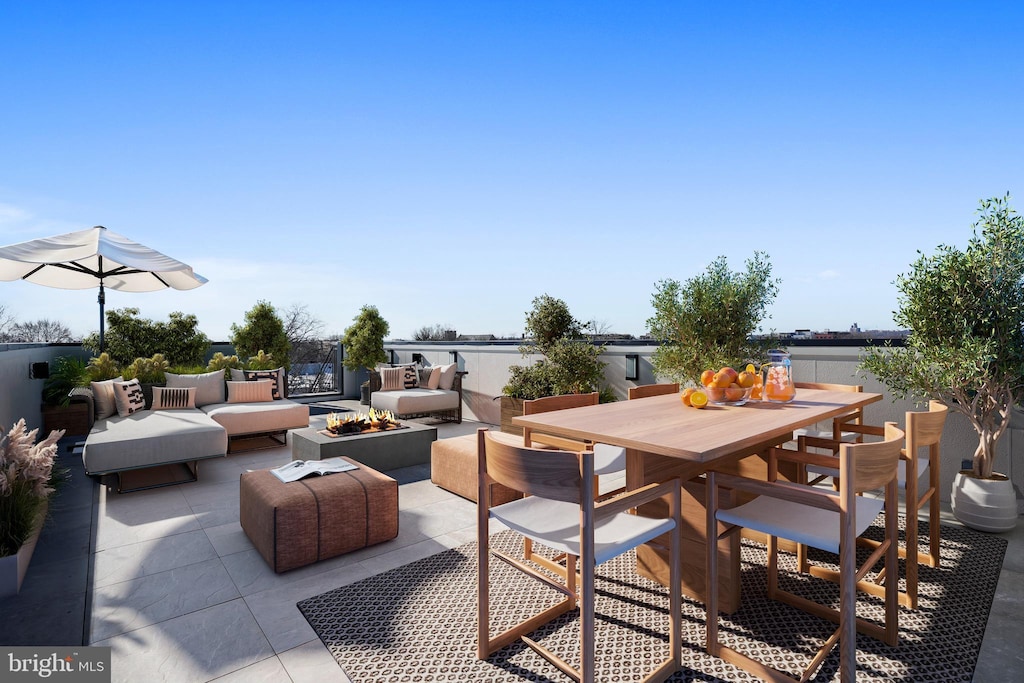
(169, 581)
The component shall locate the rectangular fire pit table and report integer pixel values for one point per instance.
(386, 450)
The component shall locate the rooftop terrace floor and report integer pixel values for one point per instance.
(168, 578)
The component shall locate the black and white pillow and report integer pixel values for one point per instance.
(174, 398)
(128, 397)
(410, 374)
(274, 375)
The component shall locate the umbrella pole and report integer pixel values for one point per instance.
(102, 299)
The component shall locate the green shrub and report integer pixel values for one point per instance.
(147, 370)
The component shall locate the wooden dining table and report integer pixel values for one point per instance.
(664, 438)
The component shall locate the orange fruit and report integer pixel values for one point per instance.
(715, 393)
(698, 399)
(721, 380)
(734, 393)
(685, 396)
(745, 379)
(707, 377)
(728, 372)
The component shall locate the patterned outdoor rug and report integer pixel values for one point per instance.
(418, 622)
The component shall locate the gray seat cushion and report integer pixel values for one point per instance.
(152, 437)
(259, 418)
(412, 401)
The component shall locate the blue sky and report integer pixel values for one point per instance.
(450, 161)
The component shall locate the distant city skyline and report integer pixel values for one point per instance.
(448, 162)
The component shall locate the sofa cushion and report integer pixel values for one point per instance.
(128, 397)
(174, 398)
(412, 401)
(277, 376)
(392, 379)
(256, 391)
(447, 376)
(259, 418)
(103, 394)
(410, 374)
(148, 438)
(433, 378)
(209, 385)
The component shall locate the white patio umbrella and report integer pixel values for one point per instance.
(83, 259)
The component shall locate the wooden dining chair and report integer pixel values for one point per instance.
(824, 519)
(923, 433)
(646, 390)
(854, 417)
(607, 459)
(560, 513)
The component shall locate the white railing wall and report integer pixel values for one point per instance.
(488, 368)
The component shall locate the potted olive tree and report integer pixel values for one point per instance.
(570, 362)
(965, 313)
(364, 345)
(709, 320)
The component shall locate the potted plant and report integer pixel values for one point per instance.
(58, 411)
(149, 372)
(965, 313)
(570, 365)
(709, 320)
(364, 345)
(27, 478)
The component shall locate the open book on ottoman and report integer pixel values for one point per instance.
(300, 469)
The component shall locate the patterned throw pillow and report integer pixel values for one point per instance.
(253, 391)
(392, 379)
(274, 375)
(128, 397)
(411, 378)
(174, 398)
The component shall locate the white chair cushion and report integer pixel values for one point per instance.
(801, 523)
(609, 459)
(557, 525)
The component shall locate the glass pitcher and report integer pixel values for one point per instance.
(777, 378)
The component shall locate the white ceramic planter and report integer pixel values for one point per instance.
(984, 504)
(14, 567)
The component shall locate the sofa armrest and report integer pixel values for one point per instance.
(84, 395)
(375, 381)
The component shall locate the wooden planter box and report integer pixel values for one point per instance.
(511, 407)
(74, 419)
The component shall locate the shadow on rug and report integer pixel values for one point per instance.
(418, 622)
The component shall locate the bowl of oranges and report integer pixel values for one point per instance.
(729, 387)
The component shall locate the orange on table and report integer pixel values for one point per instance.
(698, 399)
(685, 396)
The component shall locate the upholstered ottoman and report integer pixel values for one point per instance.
(301, 522)
(454, 466)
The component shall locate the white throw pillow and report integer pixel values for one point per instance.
(103, 397)
(128, 397)
(173, 398)
(254, 391)
(447, 376)
(209, 385)
(434, 381)
(392, 379)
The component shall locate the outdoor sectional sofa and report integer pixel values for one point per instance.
(434, 391)
(181, 436)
